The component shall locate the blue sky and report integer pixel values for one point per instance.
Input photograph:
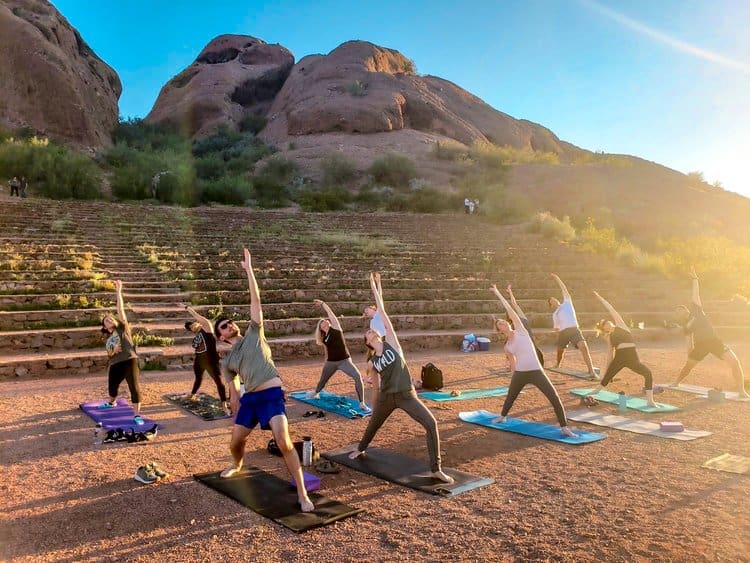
(666, 80)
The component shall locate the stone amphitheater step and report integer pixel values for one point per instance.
(69, 362)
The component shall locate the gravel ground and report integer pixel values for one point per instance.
(627, 498)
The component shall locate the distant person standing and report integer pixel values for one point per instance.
(476, 206)
(14, 185)
(467, 205)
(24, 186)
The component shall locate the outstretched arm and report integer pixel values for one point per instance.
(331, 316)
(120, 303)
(612, 312)
(517, 324)
(380, 286)
(390, 334)
(256, 310)
(696, 297)
(514, 303)
(566, 294)
(204, 322)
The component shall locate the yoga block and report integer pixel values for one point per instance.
(484, 344)
(312, 482)
(671, 426)
(716, 395)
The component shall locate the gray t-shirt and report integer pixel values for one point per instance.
(122, 337)
(394, 373)
(250, 359)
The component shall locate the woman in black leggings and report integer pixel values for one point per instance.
(621, 352)
(206, 357)
(123, 360)
(525, 366)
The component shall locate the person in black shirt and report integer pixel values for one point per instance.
(206, 356)
(328, 333)
(703, 340)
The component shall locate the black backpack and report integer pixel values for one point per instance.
(432, 377)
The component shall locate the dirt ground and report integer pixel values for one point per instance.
(626, 498)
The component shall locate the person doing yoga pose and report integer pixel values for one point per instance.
(525, 366)
(526, 323)
(123, 359)
(250, 363)
(396, 389)
(620, 342)
(703, 340)
(206, 356)
(328, 333)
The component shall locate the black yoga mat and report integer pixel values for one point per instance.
(204, 406)
(275, 498)
(403, 470)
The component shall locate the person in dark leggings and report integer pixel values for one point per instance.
(396, 389)
(525, 366)
(206, 357)
(526, 323)
(328, 333)
(123, 360)
(703, 340)
(621, 351)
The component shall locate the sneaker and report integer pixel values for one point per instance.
(156, 470)
(138, 420)
(145, 475)
(110, 437)
(106, 405)
(151, 434)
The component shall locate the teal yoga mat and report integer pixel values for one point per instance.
(331, 402)
(465, 394)
(633, 402)
(528, 428)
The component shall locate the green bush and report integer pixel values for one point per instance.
(223, 139)
(550, 226)
(139, 134)
(252, 123)
(229, 190)
(210, 166)
(337, 170)
(492, 156)
(395, 170)
(507, 207)
(131, 182)
(447, 150)
(270, 192)
(330, 199)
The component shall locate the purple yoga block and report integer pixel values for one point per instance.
(671, 426)
(312, 483)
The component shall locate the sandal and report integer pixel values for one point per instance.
(325, 466)
(310, 413)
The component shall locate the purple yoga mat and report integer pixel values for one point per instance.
(120, 416)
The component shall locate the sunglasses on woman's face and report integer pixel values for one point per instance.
(222, 326)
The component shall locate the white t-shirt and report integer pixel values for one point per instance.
(521, 346)
(565, 316)
(376, 323)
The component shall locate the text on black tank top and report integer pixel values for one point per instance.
(336, 349)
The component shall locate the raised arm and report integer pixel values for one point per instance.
(565, 293)
(120, 303)
(390, 334)
(612, 312)
(514, 303)
(256, 310)
(380, 286)
(204, 322)
(331, 316)
(517, 324)
(696, 296)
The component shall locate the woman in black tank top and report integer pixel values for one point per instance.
(621, 352)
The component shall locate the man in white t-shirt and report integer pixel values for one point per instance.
(565, 322)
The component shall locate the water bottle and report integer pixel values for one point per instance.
(97, 429)
(307, 451)
(622, 402)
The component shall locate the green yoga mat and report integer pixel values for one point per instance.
(730, 464)
(465, 394)
(633, 402)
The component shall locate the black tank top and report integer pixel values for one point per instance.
(620, 336)
(336, 349)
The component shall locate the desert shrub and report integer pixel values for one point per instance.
(279, 169)
(395, 170)
(492, 156)
(337, 170)
(252, 123)
(447, 150)
(506, 207)
(141, 135)
(223, 139)
(230, 190)
(210, 166)
(328, 199)
(550, 226)
(357, 88)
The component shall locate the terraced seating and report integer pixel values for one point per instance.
(61, 258)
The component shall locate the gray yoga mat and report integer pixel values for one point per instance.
(631, 425)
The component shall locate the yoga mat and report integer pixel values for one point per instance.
(574, 372)
(331, 402)
(528, 428)
(465, 395)
(205, 406)
(698, 390)
(730, 464)
(633, 402)
(406, 471)
(275, 498)
(120, 416)
(630, 425)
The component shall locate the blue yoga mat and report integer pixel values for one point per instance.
(633, 402)
(528, 428)
(119, 416)
(331, 402)
(465, 394)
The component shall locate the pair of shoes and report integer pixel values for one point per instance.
(325, 466)
(318, 414)
(145, 475)
(156, 470)
(590, 401)
(106, 405)
(142, 436)
(117, 435)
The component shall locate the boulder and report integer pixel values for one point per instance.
(50, 80)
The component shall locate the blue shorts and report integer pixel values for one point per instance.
(260, 407)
